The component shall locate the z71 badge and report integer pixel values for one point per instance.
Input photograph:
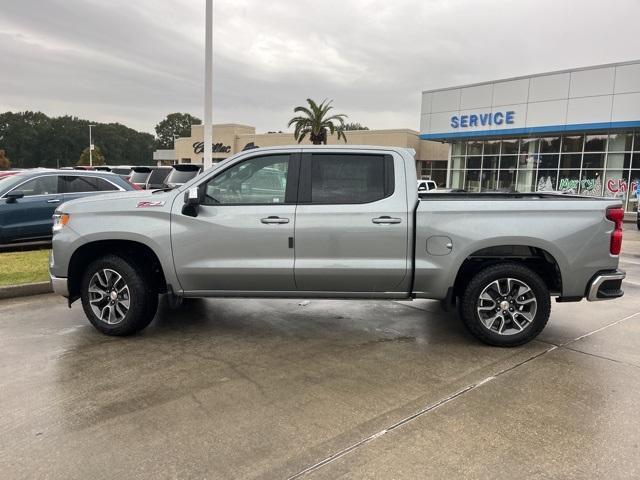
(150, 204)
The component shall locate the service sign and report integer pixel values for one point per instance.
(483, 119)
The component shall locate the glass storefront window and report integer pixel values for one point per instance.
(590, 164)
(548, 161)
(440, 177)
(474, 148)
(547, 180)
(458, 162)
(490, 162)
(569, 180)
(620, 142)
(595, 143)
(570, 160)
(473, 162)
(510, 147)
(591, 183)
(458, 148)
(489, 180)
(509, 161)
(593, 160)
(492, 147)
(573, 143)
(457, 178)
(527, 161)
(632, 202)
(550, 145)
(529, 146)
(472, 181)
(616, 161)
(615, 183)
(507, 180)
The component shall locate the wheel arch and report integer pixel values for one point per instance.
(139, 253)
(537, 259)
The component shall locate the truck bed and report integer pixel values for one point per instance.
(571, 229)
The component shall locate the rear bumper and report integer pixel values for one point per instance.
(59, 285)
(606, 286)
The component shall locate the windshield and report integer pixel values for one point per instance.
(139, 177)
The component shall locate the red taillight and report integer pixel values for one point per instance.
(135, 187)
(616, 215)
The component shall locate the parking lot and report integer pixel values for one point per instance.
(236, 388)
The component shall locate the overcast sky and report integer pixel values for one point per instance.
(134, 61)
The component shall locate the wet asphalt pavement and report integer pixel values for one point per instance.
(237, 388)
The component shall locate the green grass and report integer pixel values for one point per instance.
(24, 267)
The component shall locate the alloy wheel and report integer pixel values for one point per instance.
(109, 296)
(507, 306)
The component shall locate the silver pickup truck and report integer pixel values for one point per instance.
(336, 222)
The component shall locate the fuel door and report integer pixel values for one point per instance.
(439, 245)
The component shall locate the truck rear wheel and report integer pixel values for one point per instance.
(505, 305)
(115, 296)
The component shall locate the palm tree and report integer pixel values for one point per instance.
(315, 122)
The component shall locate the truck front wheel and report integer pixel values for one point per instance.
(115, 296)
(505, 305)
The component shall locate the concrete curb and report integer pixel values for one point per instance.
(14, 291)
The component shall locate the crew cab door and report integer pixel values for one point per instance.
(352, 223)
(242, 237)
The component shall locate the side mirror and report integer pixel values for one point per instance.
(13, 196)
(192, 200)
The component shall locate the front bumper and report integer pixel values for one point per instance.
(59, 285)
(606, 286)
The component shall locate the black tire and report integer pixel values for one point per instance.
(143, 301)
(470, 302)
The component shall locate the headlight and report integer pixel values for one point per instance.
(59, 221)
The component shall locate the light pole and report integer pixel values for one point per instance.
(90, 147)
(208, 85)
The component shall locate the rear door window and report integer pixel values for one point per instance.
(348, 179)
(85, 184)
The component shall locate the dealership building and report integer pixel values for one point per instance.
(573, 130)
(229, 139)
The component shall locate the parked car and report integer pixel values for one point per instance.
(158, 177)
(342, 222)
(123, 170)
(8, 173)
(28, 199)
(426, 186)
(182, 173)
(139, 176)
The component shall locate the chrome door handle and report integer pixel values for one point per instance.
(385, 220)
(54, 200)
(273, 219)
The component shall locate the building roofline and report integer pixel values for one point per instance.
(381, 131)
(544, 74)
